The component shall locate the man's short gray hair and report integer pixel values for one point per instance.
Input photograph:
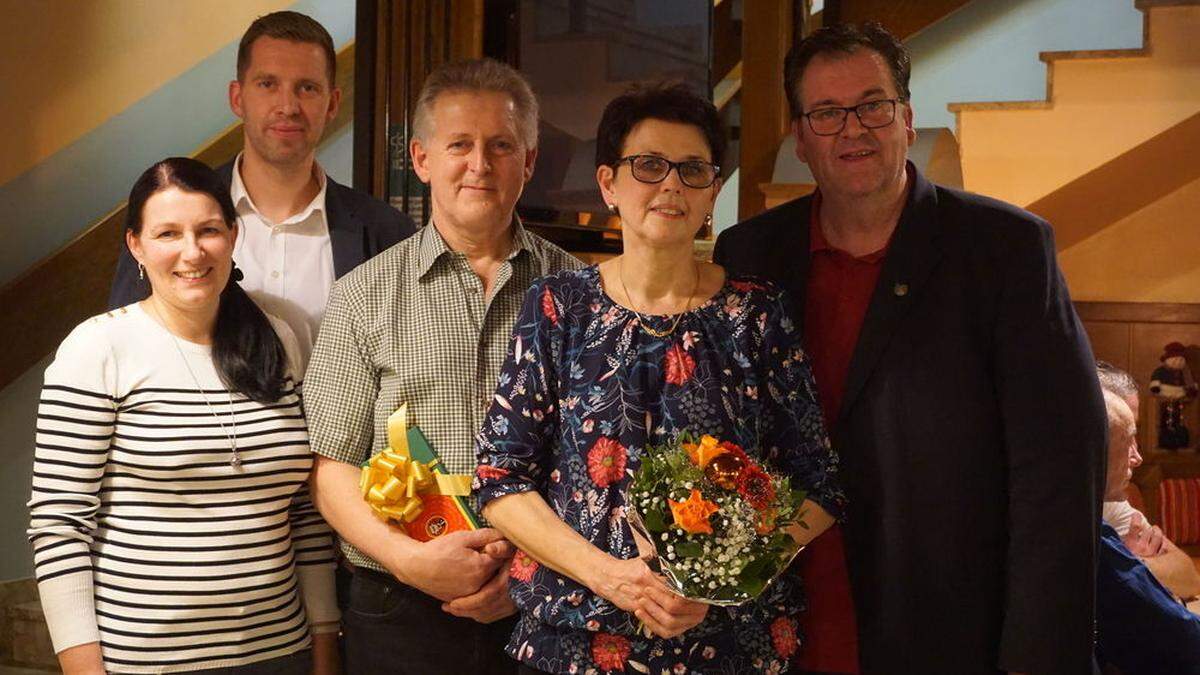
(476, 76)
(1116, 380)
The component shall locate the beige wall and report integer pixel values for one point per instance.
(1153, 255)
(69, 65)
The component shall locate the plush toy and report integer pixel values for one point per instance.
(1171, 383)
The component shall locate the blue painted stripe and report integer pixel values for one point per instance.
(54, 201)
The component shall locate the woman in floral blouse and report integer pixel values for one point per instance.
(633, 351)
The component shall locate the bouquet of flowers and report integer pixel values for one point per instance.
(714, 518)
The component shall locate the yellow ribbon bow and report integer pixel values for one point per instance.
(392, 481)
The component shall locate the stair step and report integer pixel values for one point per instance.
(999, 105)
(30, 639)
(1077, 54)
(1146, 4)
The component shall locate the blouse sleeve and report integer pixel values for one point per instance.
(514, 446)
(793, 430)
(75, 423)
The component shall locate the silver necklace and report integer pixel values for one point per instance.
(234, 460)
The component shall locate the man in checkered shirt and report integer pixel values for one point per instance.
(427, 323)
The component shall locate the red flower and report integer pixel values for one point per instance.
(610, 651)
(522, 567)
(489, 472)
(754, 485)
(737, 451)
(679, 365)
(606, 462)
(548, 306)
(783, 637)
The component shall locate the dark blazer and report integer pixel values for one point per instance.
(360, 226)
(972, 438)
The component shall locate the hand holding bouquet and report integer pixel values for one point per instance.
(715, 519)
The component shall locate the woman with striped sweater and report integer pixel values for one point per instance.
(171, 524)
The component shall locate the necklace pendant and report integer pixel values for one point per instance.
(235, 461)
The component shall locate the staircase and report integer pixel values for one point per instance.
(1098, 105)
(1109, 158)
(902, 18)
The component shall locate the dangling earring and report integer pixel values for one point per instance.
(708, 220)
(612, 208)
(141, 272)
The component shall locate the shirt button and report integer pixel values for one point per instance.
(275, 274)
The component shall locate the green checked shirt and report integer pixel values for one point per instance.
(412, 325)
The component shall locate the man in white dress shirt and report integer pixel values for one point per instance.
(300, 230)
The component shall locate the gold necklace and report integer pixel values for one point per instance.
(641, 319)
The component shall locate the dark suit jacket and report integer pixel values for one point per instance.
(972, 438)
(360, 226)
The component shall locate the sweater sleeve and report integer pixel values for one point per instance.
(312, 539)
(75, 422)
(312, 544)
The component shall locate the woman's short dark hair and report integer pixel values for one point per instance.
(246, 351)
(666, 101)
(844, 39)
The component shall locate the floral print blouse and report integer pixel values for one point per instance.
(584, 389)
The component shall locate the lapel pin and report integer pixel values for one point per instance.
(900, 290)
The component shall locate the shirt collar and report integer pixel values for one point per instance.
(432, 247)
(816, 237)
(245, 205)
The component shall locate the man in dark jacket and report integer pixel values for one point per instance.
(299, 229)
(957, 383)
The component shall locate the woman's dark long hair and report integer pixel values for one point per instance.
(246, 351)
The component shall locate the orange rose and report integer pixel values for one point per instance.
(693, 513)
(705, 451)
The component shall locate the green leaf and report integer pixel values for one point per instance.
(655, 521)
(689, 549)
(751, 586)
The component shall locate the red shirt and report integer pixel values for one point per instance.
(839, 289)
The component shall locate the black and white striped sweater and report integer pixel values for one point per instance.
(145, 537)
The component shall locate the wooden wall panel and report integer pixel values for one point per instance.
(767, 30)
(1131, 336)
(410, 39)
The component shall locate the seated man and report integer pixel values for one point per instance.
(1140, 626)
(1170, 565)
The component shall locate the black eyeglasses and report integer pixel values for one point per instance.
(694, 173)
(872, 115)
